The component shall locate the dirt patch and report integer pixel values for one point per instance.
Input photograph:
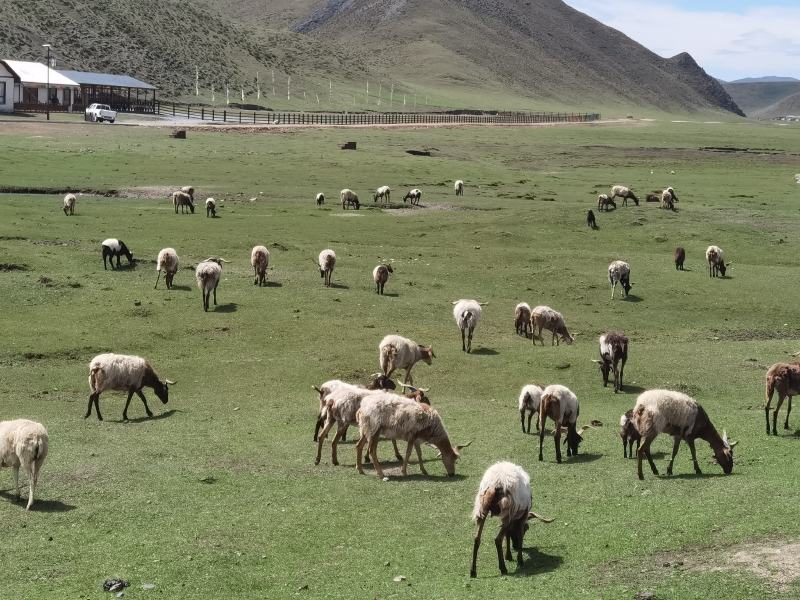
(747, 335)
(56, 242)
(10, 238)
(14, 189)
(13, 267)
(152, 191)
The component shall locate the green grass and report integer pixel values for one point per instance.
(219, 498)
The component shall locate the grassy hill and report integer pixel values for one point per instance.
(763, 99)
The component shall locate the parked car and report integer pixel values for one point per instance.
(99, 113)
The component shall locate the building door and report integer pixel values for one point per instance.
(67, 97)
(30, 95)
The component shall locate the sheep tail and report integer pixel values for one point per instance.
(484, 505)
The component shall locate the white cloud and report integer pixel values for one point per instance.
(762, 40)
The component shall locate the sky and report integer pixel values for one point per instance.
(730, 39)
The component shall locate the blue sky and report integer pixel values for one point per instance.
(730, 39)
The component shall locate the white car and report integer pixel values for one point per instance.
(99, 113)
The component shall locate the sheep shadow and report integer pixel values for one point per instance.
(182, 288)
(632, 298)
(537, 562)
(164, 415)
(390, 295)
(691, 476)
(429, 478)
(632, 389)
(485, 352)
(226, 308)
(340, 286)
(273, 284)
(45, 506)
(585, 457)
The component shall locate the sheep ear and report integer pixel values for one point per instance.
(168, 382)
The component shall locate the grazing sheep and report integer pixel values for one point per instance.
(326, 262)
(349, 198)
(182, 200)
(544, 317)
(123, 373)
(467, 313)
(668, 198)
(320, 199)
(620, 191)
(785, 379)
(377, 382)
(653, 198)
(383, 193)
(396, 352)
(259, 260)
(69, 204)
(380, 275)
(458, 186)
(629, 434)
(211, 207)
(504, 491)
(561, 405)
(522, 319)
(680, 257)
(167, 261)
(113, 248)
(187, 189)
(620, 272)
(604, 202)
(613, 356)
(23, 444)
(674, 413)
(207, 275)
(414, 195)
(591, 222)
(529, 400)
(716, 261)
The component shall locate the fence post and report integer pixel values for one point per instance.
(202, 113)
(173, 109)
(212, 114)
(225, 116)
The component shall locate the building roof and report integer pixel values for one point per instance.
(34, 72)
(106, 79)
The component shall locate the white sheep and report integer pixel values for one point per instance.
(668, 198)
(544, 317)
(620, 191)
(674, 413)
(414, 195)
(259, 260)
(522, 318)
(69, 204)
(715, 258)
(561, 405)
(619, 272)
(211, 207)
(182, 200)
(380, 275)
(320, 199)
(114, 248)
(377, 382)
(467, 313)
(349, 198)
(207, 275)
(383, 193)
(458, 186)
(529, 400)
(188, 189)
(326, 262)
(604, 202)
(123, 373)
(396, 352)
(167, 261)
(23, 444)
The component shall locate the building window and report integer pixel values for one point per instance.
(67, 99)
(30, 95)
(2, 92)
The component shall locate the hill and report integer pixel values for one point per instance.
(784, 107)
(767, 79)
(755, 98)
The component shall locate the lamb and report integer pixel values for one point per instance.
(620, 272)
(458, 186)
(668, 198)
(211, 207)
(349, 198)
(604, 202)
(522, 319)
(259, 260)
(326, 262)
(69, 204)
(377, 382)
(182, 200)
(679, 257)
(23, 444)
(613, 356)
(716, 261)
(414, 195)
(207, 275)
(561, 405)
(674, 413)
(124, 373)
(467, 313)
(620, 191)
(380, 275)
(383, 193)
(396, 352)
(504, 491)
(167, 261)
(785, 379)
(591, 221)
(629, 434)
(320, 199)
(544, 317)
(115, 248)
(529, 400)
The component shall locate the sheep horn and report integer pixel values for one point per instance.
(168, 382)
(462, 446)
(599, 362)
(482, 303)
(316, 389)
(425, 390)
(533, 515)
(225, 261)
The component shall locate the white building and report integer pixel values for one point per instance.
(30, 85)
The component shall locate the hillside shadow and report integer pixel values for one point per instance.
(537, 562)
(485, 352)
(45, 506)
(164, 415)
(226, 308)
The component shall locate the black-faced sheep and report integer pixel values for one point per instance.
(23, 444)
(619, 272)
(380, 275)
(113, 248)
(716, 262)
(414, 195)
(613, 356)
(320, 199)
(668, 199)
(679, 258)
(522, 319)
(349, 198)
(620, 191)
(458, 186)
(591, 221)
(783, 378)
(211, 207)
(167, 261)
(182, 200)
(605, 203)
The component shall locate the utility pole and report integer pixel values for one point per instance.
(48, 80)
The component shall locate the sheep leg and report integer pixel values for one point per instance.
(419, 457)
(463, 344)
(321, 439)
(621, 372)
(469, 340)
(359, 454)
(690, 443)
(91, 400)
(617, 378)
(508, 547)
(775, 414)
(127, 403)
(522, 421)
(16, 480)
(767, 407)
(542, 417)
(397, 454)
(498, 542)
(557, 437)
(144, 401)
(33, 475)
(409, 448)
(215, 295)
(473, 572)
(643, 451)
(204, 294)
(318, 426)
(255, 274)
(554, 341)
(155, 287)
(625, 447)
(97, 406)
(408, 379)
(373, 454)
(676, 444)
(788, 412)
(334, 445)
(344, 432)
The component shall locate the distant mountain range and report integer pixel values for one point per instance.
(767, 79)
(767, 99)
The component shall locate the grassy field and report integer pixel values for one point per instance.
(218, 496)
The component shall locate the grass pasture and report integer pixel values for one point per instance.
(218, 496)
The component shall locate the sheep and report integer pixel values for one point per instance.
(383, 193)
(522, 319)
(326, 262)
(668, 198)
(467, 313)
(380, 275)
(349, 198)
(604, 202)
(716, 261)
(207, 275)
(620, 272)
(182, 200)
(23, 443)
(211, 207)
(188, 189)
(396, 352)
(69, 204)
(504, 491)
(320, 199)
(620, 191)
(124, 373)
(115, 248)
(674, 413)
(561, 405)
(414, 195)
(259, 260)
(389, 416)
(529, 400)
(613, 356)
(544, 317)
(458, 186)
(680, 258)
(629, 434)
(591, 221)
(167, 261)
(785, 378)
(378, 381)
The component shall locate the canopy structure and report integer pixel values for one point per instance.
(33, 73)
